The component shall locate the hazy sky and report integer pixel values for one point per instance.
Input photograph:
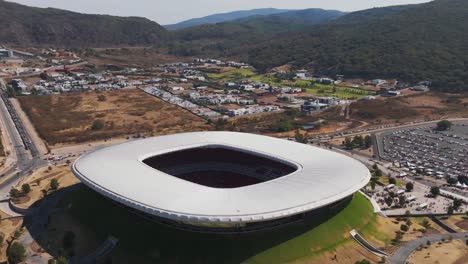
(172, 11)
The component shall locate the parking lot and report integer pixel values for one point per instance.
(418, 201)
(425, 151)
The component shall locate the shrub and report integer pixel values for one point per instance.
(26, 188)
(97, 124)
(101, 98)
(54, 184)
(404, 228)
(409, 186)
(444, 125)
(16, 253)
(14, 193)
(435, 190)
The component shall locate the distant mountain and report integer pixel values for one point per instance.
(224, 17)
(412, 43)
(29, 26)
(255, 27)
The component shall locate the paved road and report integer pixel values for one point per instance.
(402, 254)
(26, 159)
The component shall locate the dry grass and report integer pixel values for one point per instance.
(411, 107)
(449, 252)
(68, 118)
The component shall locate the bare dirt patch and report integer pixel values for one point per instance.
(463, 224)
(414, 106)
(72, 118)
(449, 252)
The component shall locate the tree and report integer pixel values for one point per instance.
(425, 223)
(450, 210)
(404, 228)
(409, 186)
(435, 190)
(402, 200)
(391, 180)
(444, 125)
(14, 193)
(54, 184)
(451, 181)
(358, 141)
(456, 204)
(97, 124)
(16, 253)
(389, 201)
(348, 143)
(101, 98)
(367, 141)
(26, 188)
(408, 222)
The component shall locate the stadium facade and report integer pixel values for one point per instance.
(222, 181)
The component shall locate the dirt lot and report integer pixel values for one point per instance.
(455, 252)
(414, 106)
(72, 117)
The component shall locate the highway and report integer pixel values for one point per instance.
(27, 156)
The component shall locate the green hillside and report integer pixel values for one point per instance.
(411, 43)
(140, 238)
(29, 26)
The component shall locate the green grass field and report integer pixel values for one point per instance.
(230, 76)
(327, 236)
(148, 242)
(341, 92)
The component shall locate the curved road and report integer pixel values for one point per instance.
(402, 254)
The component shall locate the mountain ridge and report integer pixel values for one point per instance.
(30, 26)
(224, 17)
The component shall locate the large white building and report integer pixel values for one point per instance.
(222, 181)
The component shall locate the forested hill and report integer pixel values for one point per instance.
(414, 42)
(254, 27)
(26, 26)
(224, 17)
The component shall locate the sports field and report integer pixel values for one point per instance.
(144, 241)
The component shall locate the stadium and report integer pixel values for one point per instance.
(224, 182)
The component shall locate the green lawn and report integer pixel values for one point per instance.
(148, 242)
(230, 76)
(339, 91)
(329, 235)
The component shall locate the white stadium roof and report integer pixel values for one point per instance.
(323, 177)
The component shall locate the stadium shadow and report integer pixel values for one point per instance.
(145, 241)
